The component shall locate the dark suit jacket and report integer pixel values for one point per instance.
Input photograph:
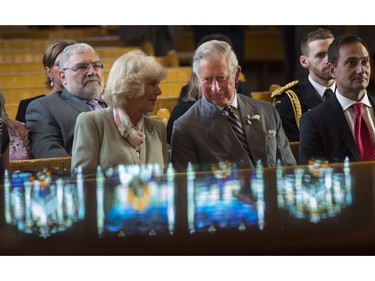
(51, 121)
(203, 136)
(325, 134)
(21, 112)
(308, 98)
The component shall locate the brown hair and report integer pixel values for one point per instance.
(51, 53)
(319, 34)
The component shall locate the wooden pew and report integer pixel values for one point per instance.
(55, 33)
(40, 44)
(16, 80)
(265, 95)
(21, 67)
(169, 60)
(55, 165)
(294, 146)
(22, 56)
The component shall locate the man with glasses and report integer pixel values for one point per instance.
(51, 119)
(223, 126)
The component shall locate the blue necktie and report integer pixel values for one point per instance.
(94, 105)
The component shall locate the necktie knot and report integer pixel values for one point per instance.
(94, 105)
(228, 110)
(327, 94)
(358, 108)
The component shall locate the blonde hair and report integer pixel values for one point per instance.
(127, 77)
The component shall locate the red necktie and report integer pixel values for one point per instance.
(362, 135)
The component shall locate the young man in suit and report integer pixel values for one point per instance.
(204, 135)
(296, 98)
(51, 119)
(329, 131)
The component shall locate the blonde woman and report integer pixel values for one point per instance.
(122, 133)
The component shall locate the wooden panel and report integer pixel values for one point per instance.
(165, 102)
(263, 44)
(55, 165)
(265, 96)
(22, 56)
(294, 146)
(20, 67)
(179, 73)
(41, 44)
(21, 80)
(11, 109)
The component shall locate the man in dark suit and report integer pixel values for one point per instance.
(296, 98)
(51, 119)
(328, 131)
(208, 133)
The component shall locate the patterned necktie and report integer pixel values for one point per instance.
(236, 125)
(362, 135)
(94, 105)
(327, 94)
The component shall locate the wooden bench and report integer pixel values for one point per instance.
(265, 95)
(294, 146)
(28, 56)
(41, 44)
(55, 165)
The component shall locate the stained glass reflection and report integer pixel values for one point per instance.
(42, 204)
(315, 193)
(136, 199)
(222, 201)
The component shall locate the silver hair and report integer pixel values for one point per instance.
(78, 48)
(213, 49)
(127, 77)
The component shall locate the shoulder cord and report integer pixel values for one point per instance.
(296, 105)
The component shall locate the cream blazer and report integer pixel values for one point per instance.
(98, 142)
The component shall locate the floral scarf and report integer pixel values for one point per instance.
(132, 133)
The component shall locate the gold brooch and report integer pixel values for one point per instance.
(150, 128)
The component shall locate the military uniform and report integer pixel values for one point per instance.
(291, 101)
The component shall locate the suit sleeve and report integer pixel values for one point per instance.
(311, 143)
(283, 143)
(45, 134)
(182, 148)
(286, 112)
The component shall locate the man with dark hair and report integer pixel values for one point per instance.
(296, 98)
(344, 125)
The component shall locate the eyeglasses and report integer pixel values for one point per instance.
(84, 67)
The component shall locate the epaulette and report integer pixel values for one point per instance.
(281, 90)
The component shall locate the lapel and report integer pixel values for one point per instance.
(252, 126)
(215, 124)
(75, 101)
(309, 95)
(149, 131)
(336, 115)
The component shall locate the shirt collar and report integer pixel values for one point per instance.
(346, 103)
(234, 103)
(321, 89)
